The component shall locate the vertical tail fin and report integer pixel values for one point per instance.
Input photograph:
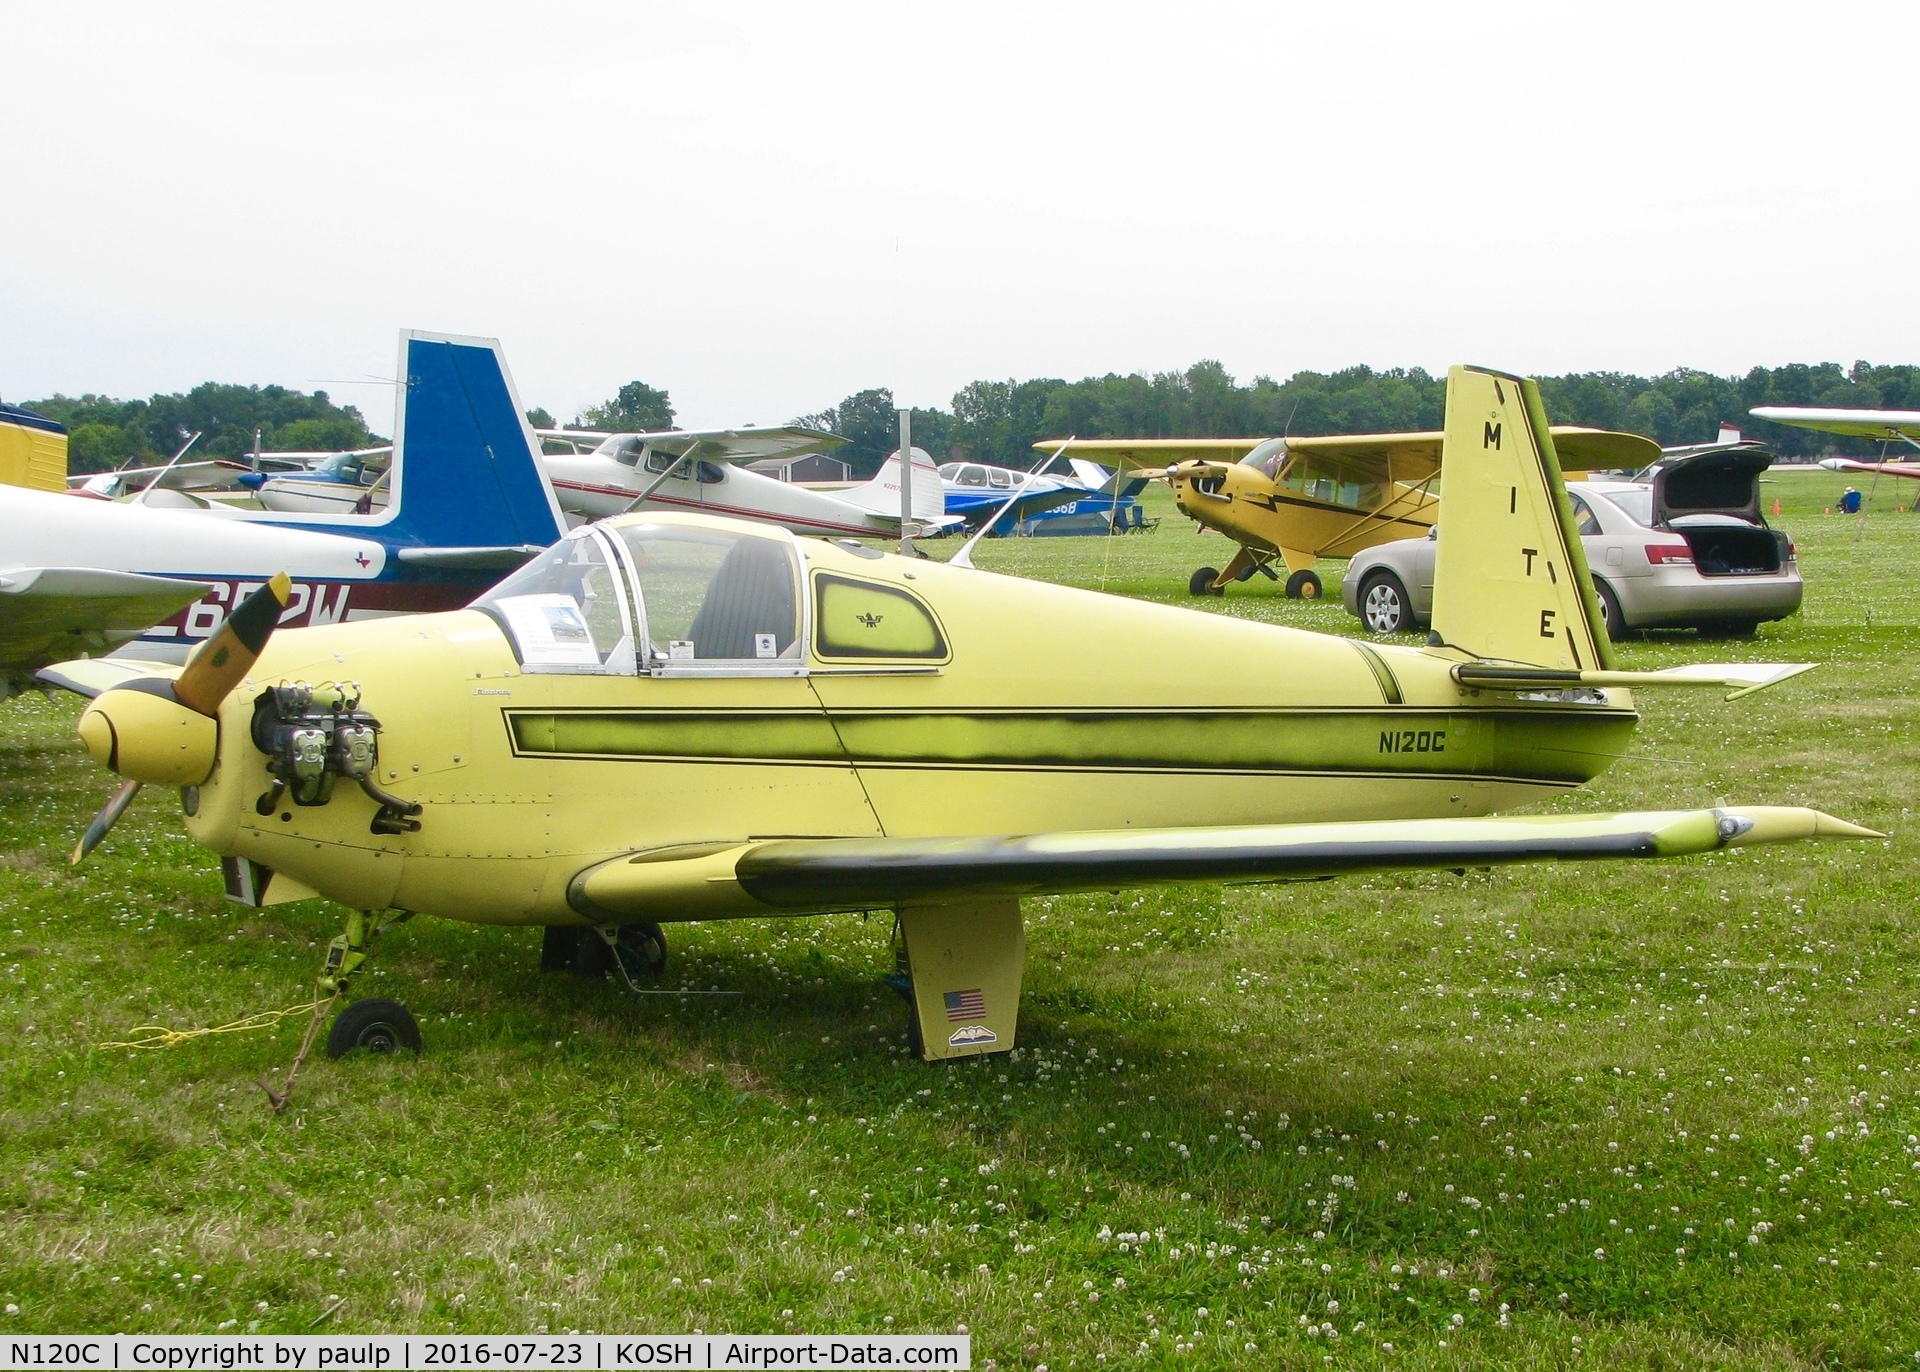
(1510, 577)
(882, 494)
(465, 468)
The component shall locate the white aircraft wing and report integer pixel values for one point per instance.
(47, 614)
(1887, 426)
(744, 444)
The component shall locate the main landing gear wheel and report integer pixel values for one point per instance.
(1201, 582)
(1303, 586)
(567, 948)
(1384, 605)
(379, 1026)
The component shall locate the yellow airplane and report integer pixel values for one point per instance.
(682, 717)
(1301, 499)
(33, 450)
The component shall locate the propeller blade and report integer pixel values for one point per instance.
(103, 822)
(229, 655)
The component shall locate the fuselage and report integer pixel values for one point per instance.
(1253, 509)
(1020, 708)
(593, 486)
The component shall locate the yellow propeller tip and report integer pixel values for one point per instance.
(282, 587)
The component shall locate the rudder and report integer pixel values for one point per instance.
(1510, 578)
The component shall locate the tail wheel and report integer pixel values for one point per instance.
(1385, 606)
(379, 1026)
(1612, 620)
(1304, 585)
(1201, 582)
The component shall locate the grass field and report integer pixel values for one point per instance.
(1646, 1115)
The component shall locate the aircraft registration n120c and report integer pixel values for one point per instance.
(469, 504)
(679, 717)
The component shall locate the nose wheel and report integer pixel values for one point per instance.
(379, 1026)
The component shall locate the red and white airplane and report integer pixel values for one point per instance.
(699, 470)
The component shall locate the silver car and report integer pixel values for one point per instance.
(1686, 549)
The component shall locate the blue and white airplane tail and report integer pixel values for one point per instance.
(467, 483)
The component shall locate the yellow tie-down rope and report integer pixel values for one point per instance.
(159, 1036)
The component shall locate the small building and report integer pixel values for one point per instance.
(808, 469)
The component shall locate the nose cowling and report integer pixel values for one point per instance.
(143, 732)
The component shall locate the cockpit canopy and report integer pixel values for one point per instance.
(663, 597)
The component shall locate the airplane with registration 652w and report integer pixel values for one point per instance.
(469, 504)
(680, 717)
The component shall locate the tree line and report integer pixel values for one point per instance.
(999, 421)
(104, 433)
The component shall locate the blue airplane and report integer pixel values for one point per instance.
(977, 491)
(469, 503)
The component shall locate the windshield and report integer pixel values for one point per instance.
(1333, 486)
(565, 609)
(715, 594)
(352, 467)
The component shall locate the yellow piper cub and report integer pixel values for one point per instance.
(1331, 495)
(680, 717)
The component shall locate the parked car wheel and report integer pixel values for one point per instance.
(1612, 620)
(1385, 606)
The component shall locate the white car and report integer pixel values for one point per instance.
(1686, 549)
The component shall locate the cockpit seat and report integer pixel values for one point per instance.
(751, 594)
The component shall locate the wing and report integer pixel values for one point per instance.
(89, 676)
(1885, 425)
(1410, 457)
(803, 875)
(1847, 464)
(213, 474)
(745, 444)
(50, 613)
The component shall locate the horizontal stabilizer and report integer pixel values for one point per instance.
(1744, 677)
(471, 559)
(807, 875)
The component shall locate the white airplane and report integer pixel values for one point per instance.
(1883, 426)
(470, 503)
(699, 469)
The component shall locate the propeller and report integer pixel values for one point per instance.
(164, 731)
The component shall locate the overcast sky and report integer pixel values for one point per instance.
(764, 208)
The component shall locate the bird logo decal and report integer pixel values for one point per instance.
(872, 621)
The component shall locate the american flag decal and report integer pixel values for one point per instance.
(966, 1005)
